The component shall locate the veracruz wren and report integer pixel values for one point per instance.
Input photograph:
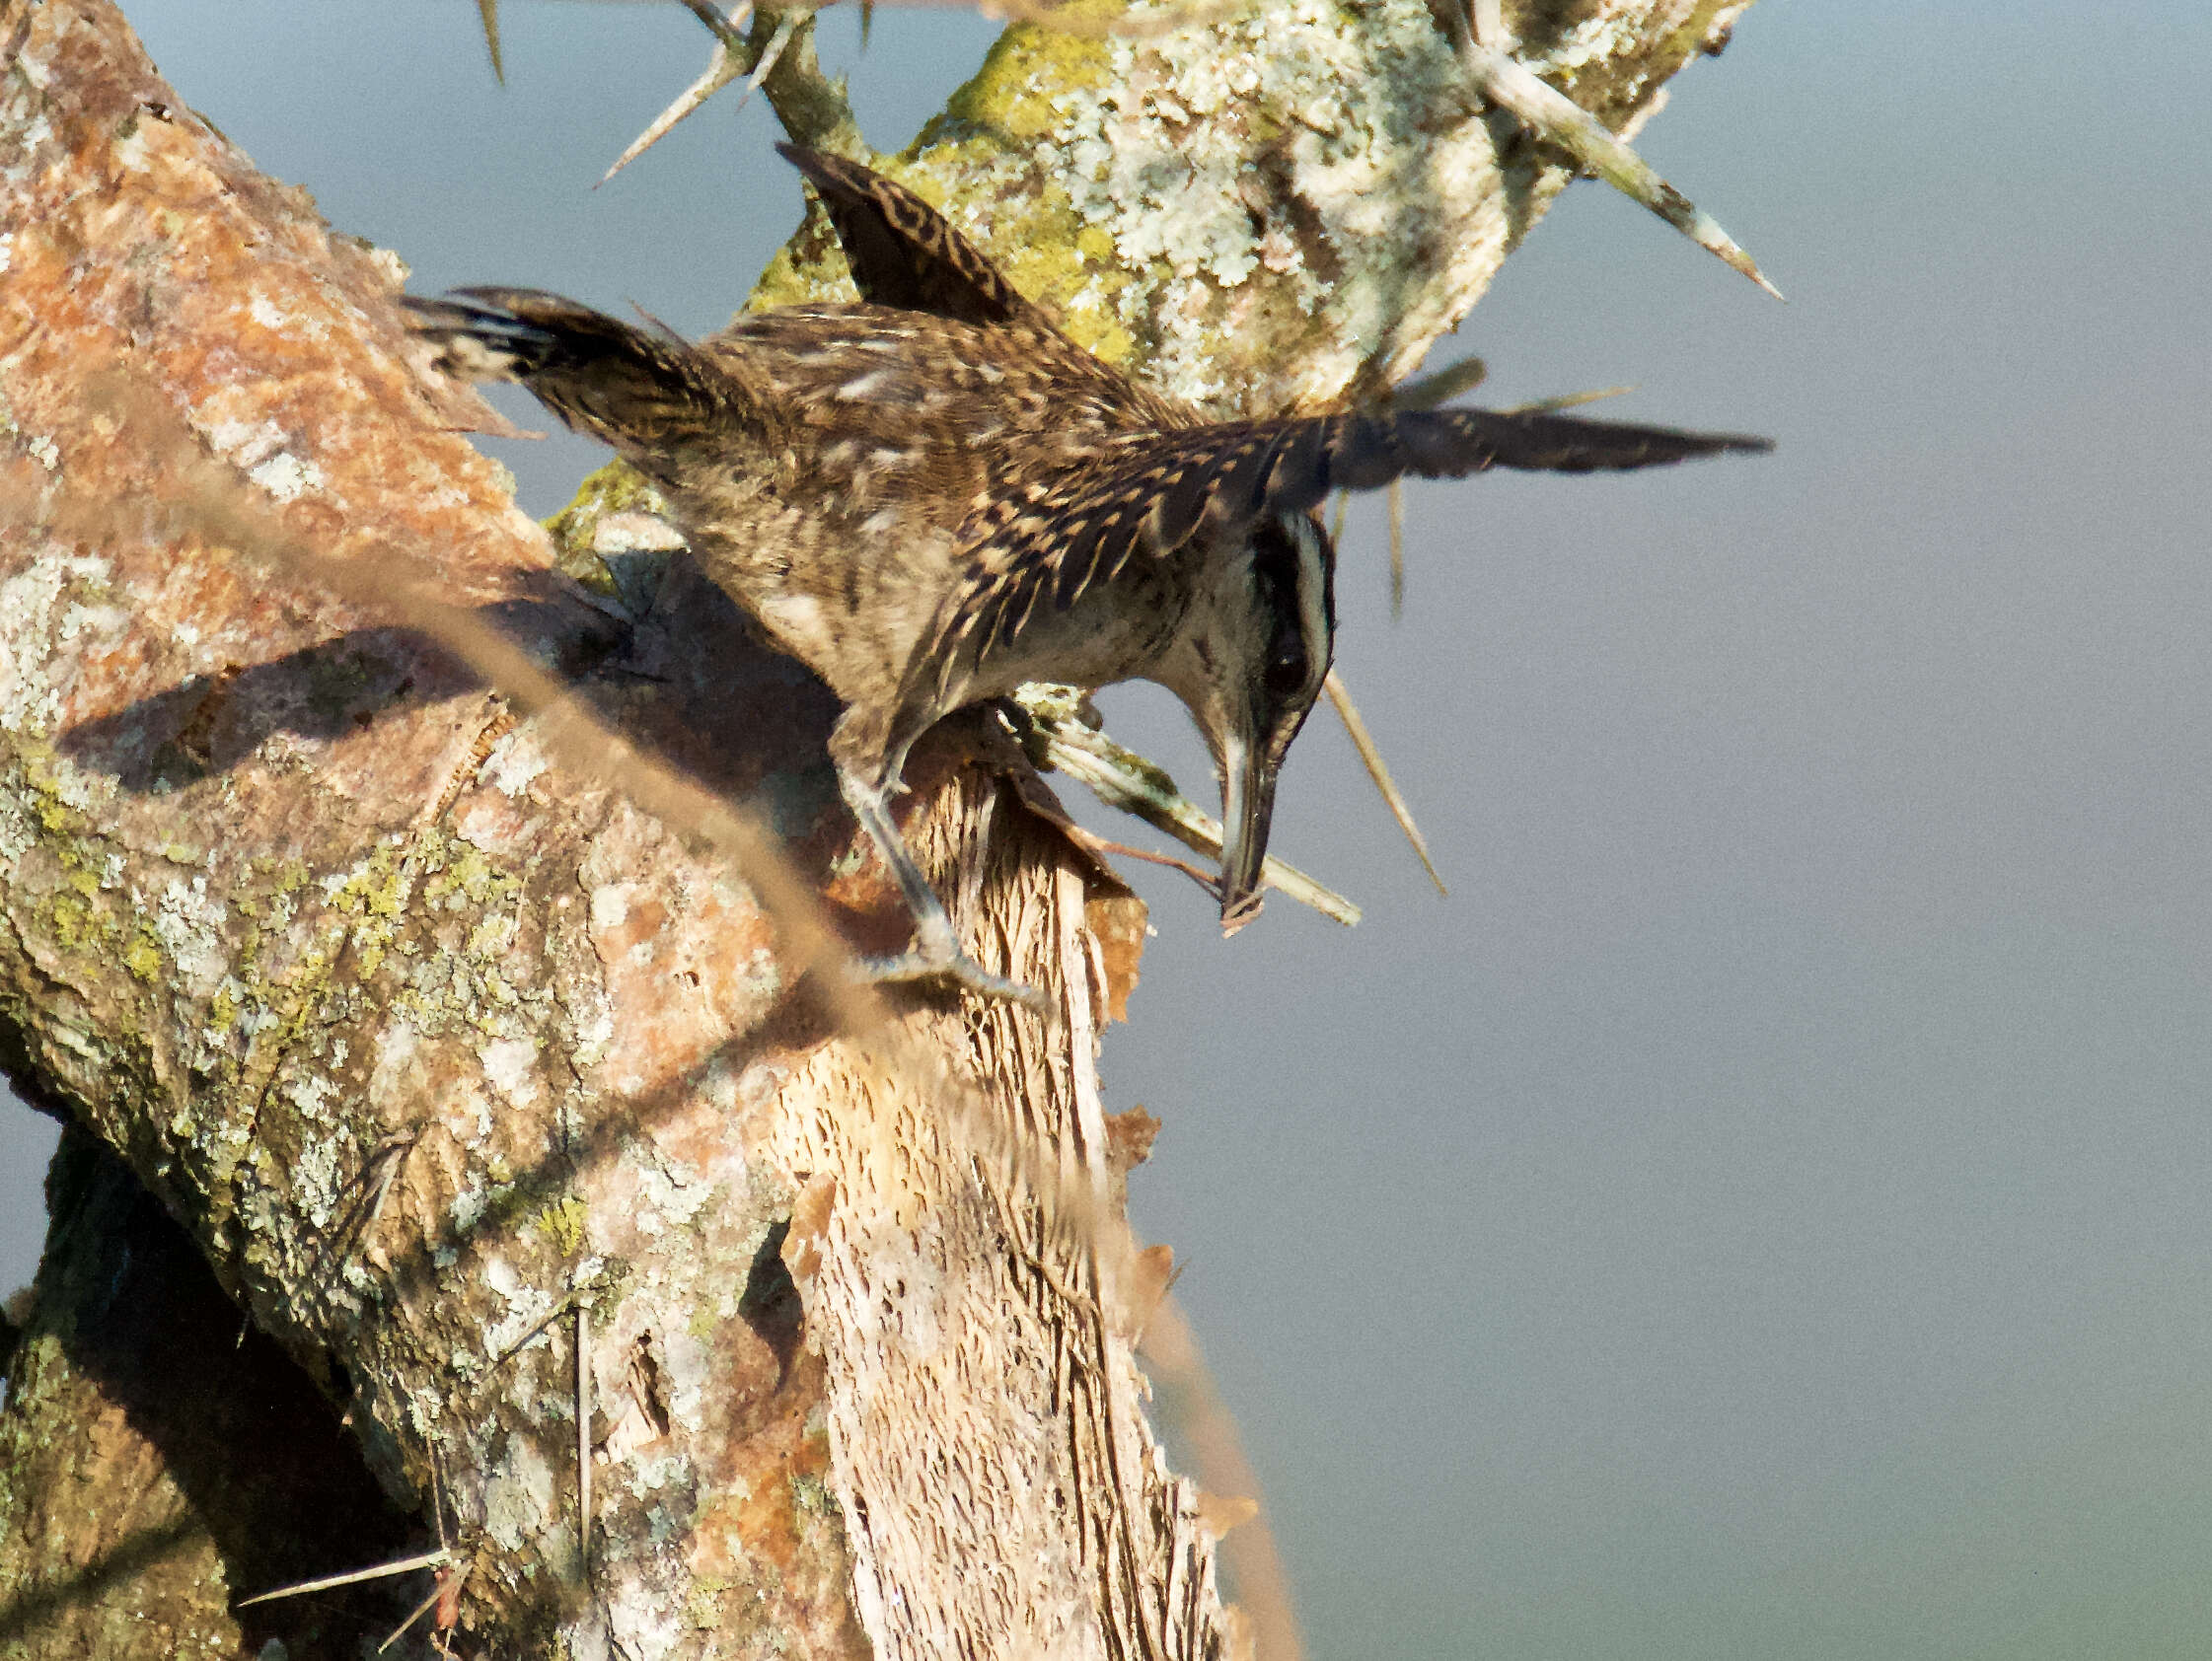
(935, 495)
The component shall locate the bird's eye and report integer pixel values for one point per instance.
(1284, 674)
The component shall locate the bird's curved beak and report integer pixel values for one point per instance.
(1247, 805)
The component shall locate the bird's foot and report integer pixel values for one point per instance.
(958, 969)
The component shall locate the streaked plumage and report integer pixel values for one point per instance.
(935, 495)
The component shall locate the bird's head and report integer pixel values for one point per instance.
(1253, 654)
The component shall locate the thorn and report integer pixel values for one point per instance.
(786, 27)
(1558, 119)
(1055, 15)
(1488, 17)
(867, 22)
(1424, 392)
(1566, 400)
(1427, 392)
(445, 1599)
(1364, 742)
(445, 1590)
(729, 30)
(371, 1187)
(488, 11)
(522, 1343)
(726, 66)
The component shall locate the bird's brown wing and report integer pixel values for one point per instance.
(903, 253)
(1050, 540)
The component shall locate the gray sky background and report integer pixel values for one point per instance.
(1762, 1212)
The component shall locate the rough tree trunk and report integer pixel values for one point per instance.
(438, 1056)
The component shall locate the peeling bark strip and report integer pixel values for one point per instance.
(426, 1042)
(984, 1405)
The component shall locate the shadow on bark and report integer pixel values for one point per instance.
(132, 1357)
(206, 724)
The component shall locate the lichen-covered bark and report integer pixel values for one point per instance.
(278, 891)
(1281, 210)
(428, 1042)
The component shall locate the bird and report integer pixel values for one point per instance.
(935, 495)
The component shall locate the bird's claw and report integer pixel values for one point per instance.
(959, 969)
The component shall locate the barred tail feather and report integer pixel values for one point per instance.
(641, 392)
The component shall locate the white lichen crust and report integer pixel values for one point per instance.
(1284, 208)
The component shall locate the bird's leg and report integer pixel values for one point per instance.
(936, 954)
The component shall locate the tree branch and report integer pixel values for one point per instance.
(299, 903)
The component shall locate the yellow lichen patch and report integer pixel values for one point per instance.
(616, 488)
(466, 880)
(1036, 238)
(703, 1323)
(788, 282)
(563, 1223)
(71, 919)
(1011, 94)
(703, 1607)
(55, 815)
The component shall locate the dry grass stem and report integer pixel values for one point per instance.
(330, 1582)
(1370, 756)
(583, 1443)
(1263, 1589)
(487, 12)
